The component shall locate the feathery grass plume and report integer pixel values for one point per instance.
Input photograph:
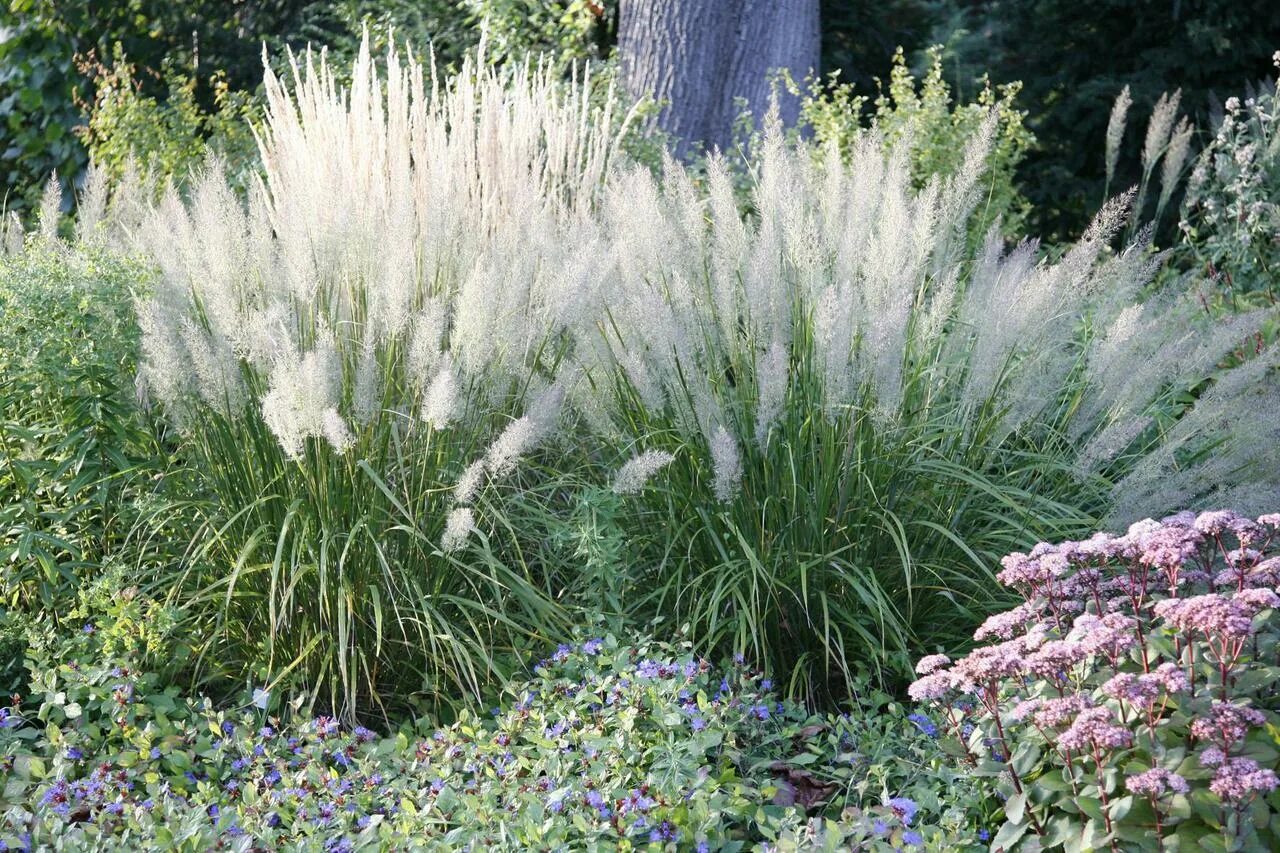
(633, 476)
(1159, 127)
(1156, 144)
(1226, 448)
(407, 256)
(1175, 159)
(1115, 134)
(458, 528)
(12, 235)
(91, 206)
(727, 465)
(50, 215)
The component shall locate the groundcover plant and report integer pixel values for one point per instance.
(450, 301)
(607, 745)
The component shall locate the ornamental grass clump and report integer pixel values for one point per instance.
(1130, 699)
(361, 356)
(864, 412)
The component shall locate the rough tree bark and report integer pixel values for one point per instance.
(698, 57)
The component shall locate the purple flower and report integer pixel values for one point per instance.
(760, 712)
(592, 647)
(74, 753)
(911, 838)
(362, 734)
(697, 724)
(1238, 780)
(1155, 782)
(664, 832)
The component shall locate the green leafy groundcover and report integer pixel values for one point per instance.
(605, 747)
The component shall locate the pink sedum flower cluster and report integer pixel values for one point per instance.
(1149, 653)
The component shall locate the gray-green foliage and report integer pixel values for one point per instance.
(1231, 215)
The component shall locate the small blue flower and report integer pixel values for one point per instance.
(155, 753)
(766, 684)
(880, 828)
(983, 835)
(924, 724)
(213, 811)
(697, 724)
(911, 838)
(592, 647)
(760, 712)
(905, 808)
(228, 728)
(74, 753)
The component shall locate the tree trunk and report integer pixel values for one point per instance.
(699, 57)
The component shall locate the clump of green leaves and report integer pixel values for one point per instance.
(166, 138)
(923, 115)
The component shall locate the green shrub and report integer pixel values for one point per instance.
(936, 133)
(37, 106)
(168, 138)
(78, 461)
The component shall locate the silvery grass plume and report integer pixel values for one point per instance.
(842, 270)
(378, 331)
(405, 248)
(1115, 133)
